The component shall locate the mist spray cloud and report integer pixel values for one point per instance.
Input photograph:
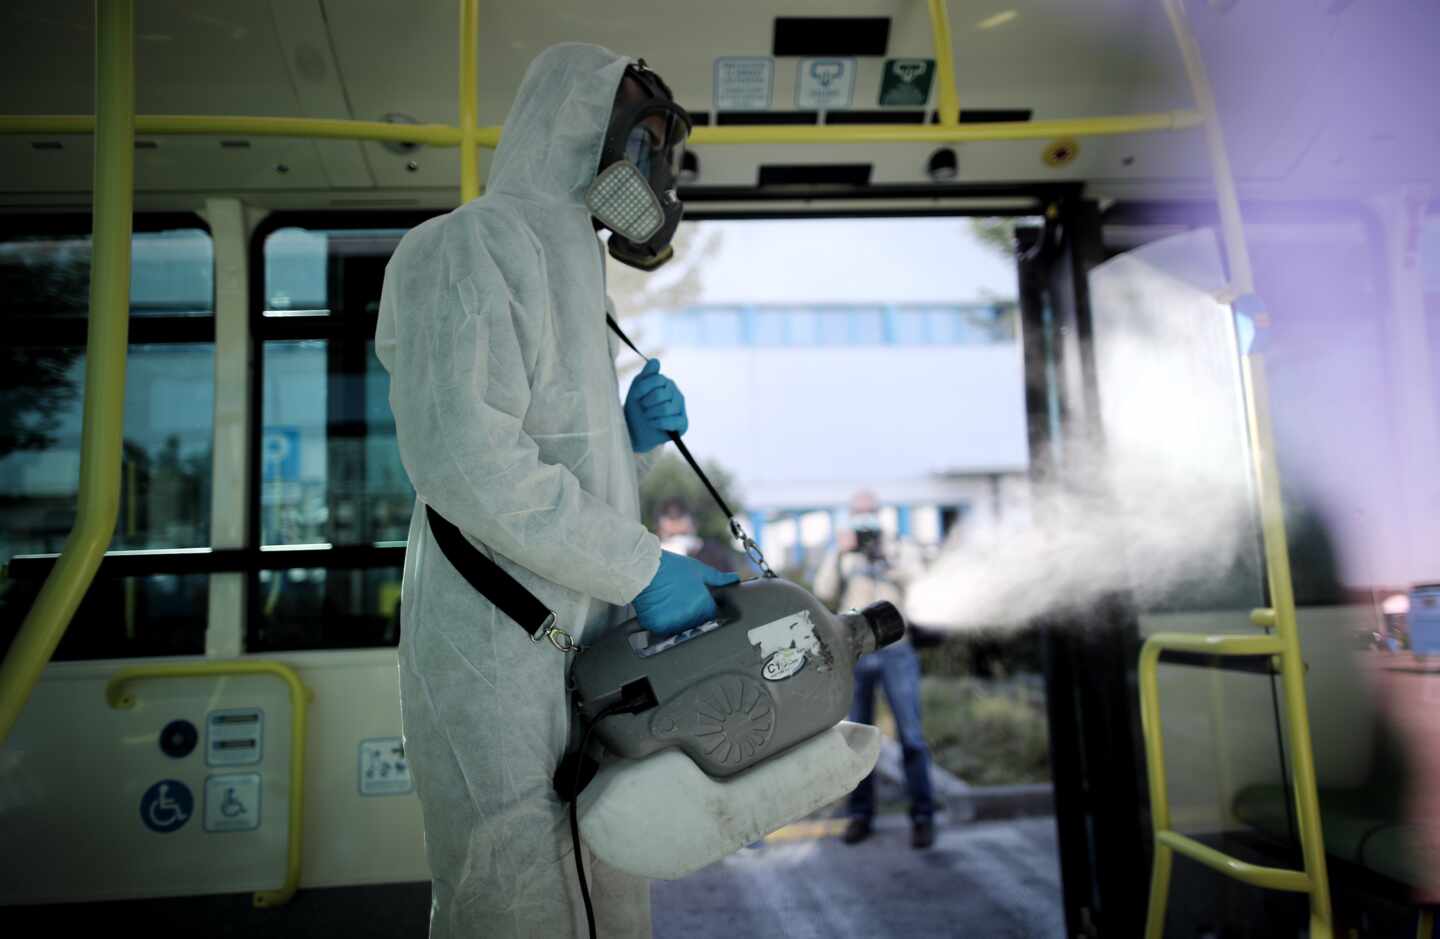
(1163, 501)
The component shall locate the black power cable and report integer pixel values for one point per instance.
(634, 698)
(575, 817)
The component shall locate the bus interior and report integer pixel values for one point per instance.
(1128, 311)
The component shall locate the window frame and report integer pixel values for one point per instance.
(255, 557)
(251, 558)
(150, 329)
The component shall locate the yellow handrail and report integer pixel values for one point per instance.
(1223, 644)
(1237, 250)
(435, 135)
(117, 696)
(1279, 617)
(442, 135)
(468, 135)
(956, 133)
(1284, 645)
(98, 503)
(1292, 664)
(947, 100)
(469, 158)
(1271, 878)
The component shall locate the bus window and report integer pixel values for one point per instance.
(330, 471)
(327, 608)
(169, 395)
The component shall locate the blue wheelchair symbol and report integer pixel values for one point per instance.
(167, 806)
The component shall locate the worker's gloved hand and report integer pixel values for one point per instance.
(653, 408)
(679, 596)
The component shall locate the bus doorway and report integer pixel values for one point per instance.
(856, 383)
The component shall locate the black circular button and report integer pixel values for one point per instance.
(179, 738)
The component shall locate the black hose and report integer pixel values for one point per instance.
(575, 835)
(575, 809)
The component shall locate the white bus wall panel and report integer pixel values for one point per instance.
(351, 838)
(74, 771)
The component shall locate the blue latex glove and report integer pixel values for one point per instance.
(679, 596)
(653, 408)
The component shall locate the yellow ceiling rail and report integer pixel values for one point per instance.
(1237, 251)
(443, 135)
(98, 501)
(948, 101)
(469, 158)
(434, 135)
(118, 695)
(939, 133)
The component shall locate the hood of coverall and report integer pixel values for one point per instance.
(550, 146)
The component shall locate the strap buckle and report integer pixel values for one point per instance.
(558, 637)
(752, 550)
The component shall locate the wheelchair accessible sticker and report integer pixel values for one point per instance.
(167, 806)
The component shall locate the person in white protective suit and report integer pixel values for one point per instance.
(510, 425)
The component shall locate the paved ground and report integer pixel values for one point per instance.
(986, 880)
(996, 880)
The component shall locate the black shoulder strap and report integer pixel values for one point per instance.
(508, 595)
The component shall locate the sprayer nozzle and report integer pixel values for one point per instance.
(886, 622)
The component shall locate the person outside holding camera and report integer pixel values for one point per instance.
(866, 566)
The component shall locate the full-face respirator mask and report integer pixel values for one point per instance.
(633, 194)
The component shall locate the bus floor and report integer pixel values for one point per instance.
(997, 879)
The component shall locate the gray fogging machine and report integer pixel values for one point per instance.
(726, 732)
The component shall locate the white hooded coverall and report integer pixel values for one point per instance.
(507, 411)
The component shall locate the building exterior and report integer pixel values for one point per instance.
(921, 403)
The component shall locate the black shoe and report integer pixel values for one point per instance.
(856, 831)
(922, 835)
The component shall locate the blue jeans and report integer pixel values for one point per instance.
(898, 669)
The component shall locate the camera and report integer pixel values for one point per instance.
(867, 542)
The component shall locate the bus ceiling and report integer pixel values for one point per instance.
(851, 105)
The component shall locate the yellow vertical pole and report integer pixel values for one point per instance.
(947, 102)
(98, 503)
(1292, 665)
(1237, 254)
(469, 151)
(1159, 796)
